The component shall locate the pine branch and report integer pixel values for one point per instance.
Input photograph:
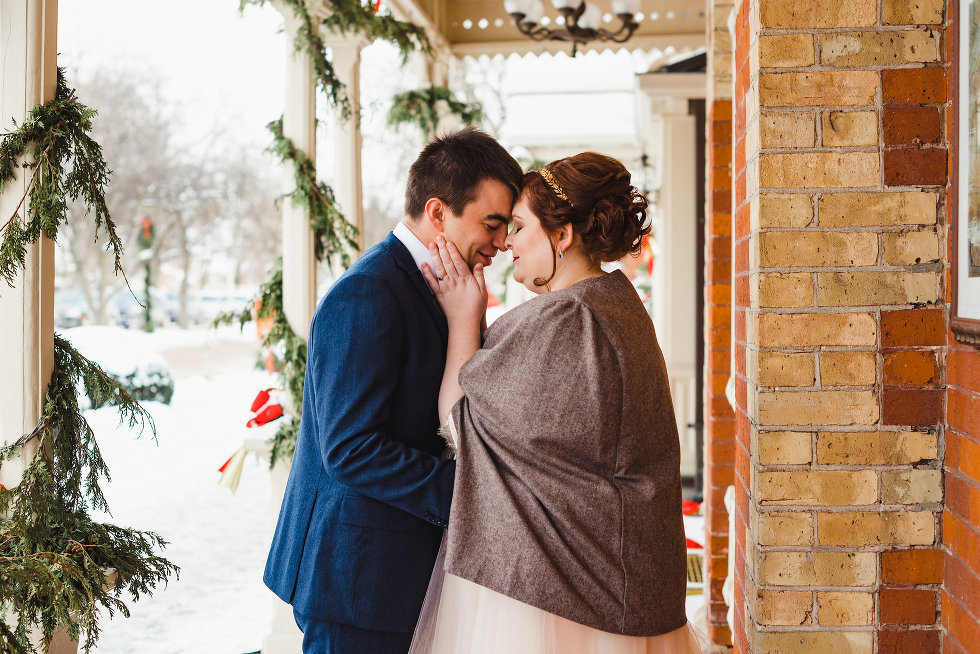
(65, 164)
(420, 107)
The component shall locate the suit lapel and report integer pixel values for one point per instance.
(405, 261)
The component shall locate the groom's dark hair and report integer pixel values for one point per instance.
(452, 166)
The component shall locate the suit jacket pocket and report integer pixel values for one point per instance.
(361, 511)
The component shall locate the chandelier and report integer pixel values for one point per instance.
(579, 21)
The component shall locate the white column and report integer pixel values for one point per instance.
(346, 174)
(28, 70)
(299, 125)
(676, 295)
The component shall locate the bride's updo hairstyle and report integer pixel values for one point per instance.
(592, 192)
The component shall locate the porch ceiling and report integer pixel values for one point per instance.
(665, 23)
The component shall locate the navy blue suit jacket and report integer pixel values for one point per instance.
(367, 495)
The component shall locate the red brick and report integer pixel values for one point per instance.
(719, 293)
(959, 412)
(913, 85)
(912, 125)
(910, 368)
(962, 625)
(907, 606)
(920, 407)
(721, 155)
(964, 369)
(912, 567)
(913, 327)
(913, 166)
(969, 458)
(720, 634)
(721, 131)
(962, 582)
(918, 641)
(719, 247)
(723, 428)
(721, 201)
(721, 222)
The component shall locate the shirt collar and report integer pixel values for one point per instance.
(418, 250)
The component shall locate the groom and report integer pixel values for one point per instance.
(368, 496)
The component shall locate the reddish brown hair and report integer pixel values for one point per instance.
(607, 212)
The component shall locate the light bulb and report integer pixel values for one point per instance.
(516, 6)
(625, 6)
(591, 18)
(566, 4)
(534, 12)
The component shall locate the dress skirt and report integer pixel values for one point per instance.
(461, 617)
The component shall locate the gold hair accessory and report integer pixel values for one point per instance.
(549, 178)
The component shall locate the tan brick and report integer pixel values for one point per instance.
(813, 642)
(852, 88)
(782, 290)
(912, 12)
(817, 568)
(785, 448)
(852, 49)
(786, 50)
(814, 329)
(849, 128)
(874, 287)
(817, 487)
(910, 248)
(722, 87)
(848, 368)
(799, 249)
(867, 209)
(784, 129)
(827, 13)
(837, 609)
(818, 169)
(875, 448)
(777, 369)
(722, 41)
(911, 486)
(785, 210)
(783, 607)
(785, 528)
(858, 528)
(818, 408)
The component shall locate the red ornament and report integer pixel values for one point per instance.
(694, 545)
(690, 507)
(268, 414)
(377, 6)
(260, 400)
(145, 223)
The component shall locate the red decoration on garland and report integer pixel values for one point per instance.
(690, 507)
(268, 414)
(260, 400)
(694, 545)
(146, 223)
(377, 6)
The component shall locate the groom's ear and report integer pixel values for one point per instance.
(435, 214)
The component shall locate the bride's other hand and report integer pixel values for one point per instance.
(462, 294)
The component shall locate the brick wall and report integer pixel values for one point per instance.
(961, 519)
(719, 420)
(839, 324)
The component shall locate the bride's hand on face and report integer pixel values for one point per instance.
(462, 294)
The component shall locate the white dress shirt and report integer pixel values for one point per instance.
(418, 249)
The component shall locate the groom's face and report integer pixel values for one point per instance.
(479, 231)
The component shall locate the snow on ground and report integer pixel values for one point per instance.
(219, 540)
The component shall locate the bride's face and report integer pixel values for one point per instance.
(530, 246)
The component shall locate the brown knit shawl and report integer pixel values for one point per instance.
(568, 493)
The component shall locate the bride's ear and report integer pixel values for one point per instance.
(565, 235)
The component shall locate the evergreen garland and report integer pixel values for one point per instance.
(332, 235)
(419, 106)
(331, 231)
(348, 17)
(54, 559)
(62, 163)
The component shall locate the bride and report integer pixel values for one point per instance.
(565, 535)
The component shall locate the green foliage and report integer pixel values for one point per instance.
(293, 354)
(54, 559)
(61, 163)
(331, 232)
(153, 383)
(349, 18)
(420, 107)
